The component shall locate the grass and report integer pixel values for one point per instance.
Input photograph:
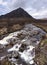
(41, 54)
(44, 42)
(41, 59)
(42, 26)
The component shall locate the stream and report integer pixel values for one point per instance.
(19, 47)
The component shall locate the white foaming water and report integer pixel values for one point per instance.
(2, 58)
(4, 40)
(15, 48)
(27, 55)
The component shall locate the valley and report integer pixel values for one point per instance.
(23, 39)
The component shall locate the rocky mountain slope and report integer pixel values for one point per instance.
(18, 48)
(18, 13)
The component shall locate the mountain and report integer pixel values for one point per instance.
(18, 13)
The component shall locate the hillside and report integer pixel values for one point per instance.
(16, 19)
(18, 13)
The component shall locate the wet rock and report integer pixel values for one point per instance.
(22, 48)
(1, 48)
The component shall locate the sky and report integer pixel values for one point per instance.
(36, 8)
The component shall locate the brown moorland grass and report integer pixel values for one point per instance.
(14, 24)
(42, 26)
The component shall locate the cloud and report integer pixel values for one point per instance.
(36, 8)
(40, 14)
(4, 7)
(21, 3)
(17, 3)
(3, 2)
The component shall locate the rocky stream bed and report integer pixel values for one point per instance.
(19, 48)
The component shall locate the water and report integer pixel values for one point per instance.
(30, 36)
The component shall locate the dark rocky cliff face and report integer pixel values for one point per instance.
(18, 13)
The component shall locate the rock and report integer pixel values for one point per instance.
(22, 48)
(16, 27)
(3, 31)
(21, 36)
(1, 48)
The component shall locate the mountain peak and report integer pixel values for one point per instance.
(18, 13)
(20, 8)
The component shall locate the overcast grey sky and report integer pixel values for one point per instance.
(36, 8)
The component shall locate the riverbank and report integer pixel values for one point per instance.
(42, 26)
(41, 51)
